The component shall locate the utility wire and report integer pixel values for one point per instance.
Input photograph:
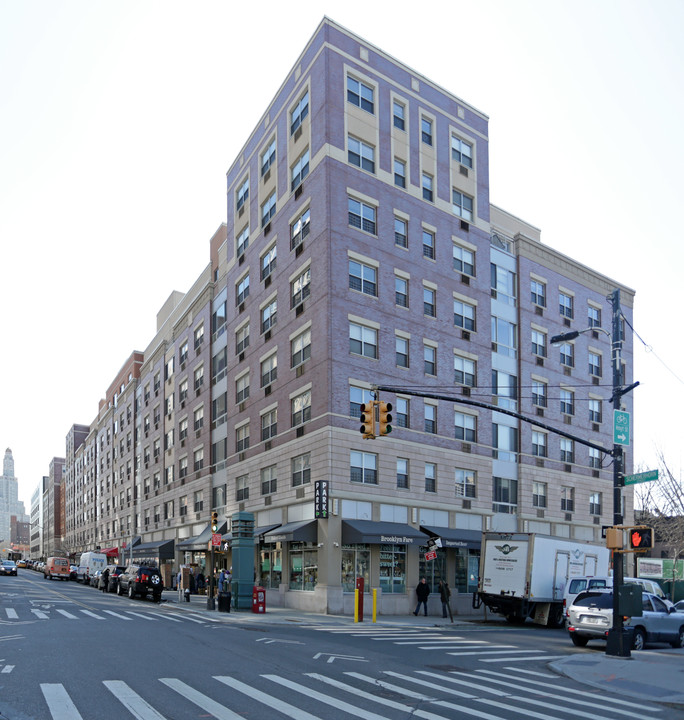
(649, 349)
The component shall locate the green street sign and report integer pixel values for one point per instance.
(647, 476)
(620, 427)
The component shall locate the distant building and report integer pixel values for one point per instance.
(9, 498)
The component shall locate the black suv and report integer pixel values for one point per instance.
(115, 572)
(141, 580)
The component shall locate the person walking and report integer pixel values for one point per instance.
(104, 580)
(422, 593)
(444, 595)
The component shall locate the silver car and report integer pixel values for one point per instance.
(591, 616)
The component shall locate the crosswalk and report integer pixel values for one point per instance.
(465, 645)
(383, 695)
(50, 611)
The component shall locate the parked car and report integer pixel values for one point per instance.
(679, 606)
(8, 567)
(115, 572)
(73, 572)
(56, 567)
(21, 563)
(94, 579)
(591, 616)
(141, 580)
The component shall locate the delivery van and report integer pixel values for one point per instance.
(89, 564)
(56, 567)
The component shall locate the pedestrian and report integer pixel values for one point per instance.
(444, 595)
(104, 580)
(191, 581)
(200, 582)
(422, 593)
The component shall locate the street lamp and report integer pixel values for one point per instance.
(618, 643)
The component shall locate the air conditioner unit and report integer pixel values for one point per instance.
(300, 370)
(298, 192)
(540, 361)
(567, 467)
(241, 307)
(241, 211)
(465, 391)
(267, 281)
(567, 419)
(267, 500)
(267, 175)
(298, 133)
(540, 513)
(467, 504)
(300, 431)
(267, 228)
(567, 370)
(465, 335)
(595, 380)
(538, 310)
(465, 279)
(241, 407)
(267, 390)
(241, 357)
(568, 517)
(465, 226)
(299, 249)
(466, 447)
(242, 258)
(267, 335)
(595, 427)
(540, 412)
(299, 310)
(566, 322)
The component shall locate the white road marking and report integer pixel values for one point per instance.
(139, 708)
(11, 614)
(206, 703)
(40, 614)
(59, 703)
(526, 658)
(116, 615)
(67, 614)
(92, 614)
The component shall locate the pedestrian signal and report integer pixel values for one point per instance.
(385, 418)
(641, 538)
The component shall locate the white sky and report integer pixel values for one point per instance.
(119, 120)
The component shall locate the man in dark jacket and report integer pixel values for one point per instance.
(422, 593)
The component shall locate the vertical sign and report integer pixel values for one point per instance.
(620, 427)
(321, 499)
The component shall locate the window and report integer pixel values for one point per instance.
(301, 408)
(242, 290)
(168, 440)
(362, 216)
(540, 393)
(429, 302)
(363, 340)
(538, 343)
(465, 427)
(461, 151)
(363, 467)
(464, 315)
(269, 480)
(198, 418)
(168, 372)
(299, 112)
(504, 337)
(398, 115)
(183, 506)
(402, 412)
(595, 503)
(505, 389)
(464, 483)
(402, 473)
(539, 444)
(269, 370)
(183, 355)
(462, 205)
(242, 438)
(503, 284)
(401, 291)
(595, 411)
(301, 288)
(401, 346)
(301, 470)
(242, 339)
(242, 193)
(399, 173)
(299, 229)
(198, 497)
(269, 424)
(505, 495)
(538, 293)
(567, 498)
(594, 364)
(400, 232)
(594, 459)
(360, 154)
(183, 429)
(567, 354)
(357, 396)
(539, 494)
(301, 348)
(426, 184)
(198, 378)
(268, 262)
(428, 244)
(360, 94)
(268, 209)
(463, 260)
(269, 316)
(242, 388)
(505, 442)
(363, 278)
(299, 170)
(464, 371)
(567, 452)
(219, 409)
(168, 510)
(567, 402)
(268, 157)
(198, 459)
(429, 360)
(241, 488)
(565, 305)
(426, 130)
(218, 321)
(242, 241)
(594, 316)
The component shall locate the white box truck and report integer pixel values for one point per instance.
(89, 564)
(524, 574)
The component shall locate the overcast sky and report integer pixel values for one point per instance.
(119, 120)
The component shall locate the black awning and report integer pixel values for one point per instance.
(369, 532)
(160, 550)
(303, 531)
(201, 542)
(258, 533)
(455, 538)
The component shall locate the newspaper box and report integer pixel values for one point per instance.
(258, 600)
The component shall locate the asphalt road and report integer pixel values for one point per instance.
(69, 652)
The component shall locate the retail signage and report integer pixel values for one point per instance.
(321, 499)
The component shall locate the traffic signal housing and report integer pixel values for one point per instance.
(367, 428)
(640, 538)
(385, 417)
(214, 521)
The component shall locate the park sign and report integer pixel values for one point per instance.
(641, 477)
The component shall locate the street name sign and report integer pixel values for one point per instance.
(647, 476)
(620, 427)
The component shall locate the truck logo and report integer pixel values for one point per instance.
(506, 549)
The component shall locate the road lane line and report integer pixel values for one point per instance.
(139, 708)
(59, 703)
(221, 712)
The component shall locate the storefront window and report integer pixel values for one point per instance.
(432, 570)
(271, 565)
(467, 569)
(393, 568)
(303, 566)
(355, 564)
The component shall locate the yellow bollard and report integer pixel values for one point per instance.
(356, 605)
(375, 603)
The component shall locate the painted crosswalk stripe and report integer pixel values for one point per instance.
(454, 641)
(11, 637)
(92, 615)
(40, 614)
(116, 615)
(539, 703)
(489, 651)
(523, 659)
(536, 673)
(138, 707)
(272, 702)
(221, 712)
(144, 616)
(11, 614)
(66, 614)
(7, 669)
(162, 616)
(59, 703)
(432, 686)
(391, 686)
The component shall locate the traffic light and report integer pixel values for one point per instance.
(214, 521)
(640, 538)
(385, 418)
(367, 428)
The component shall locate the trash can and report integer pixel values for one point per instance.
(258, 600)
(224, 602)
